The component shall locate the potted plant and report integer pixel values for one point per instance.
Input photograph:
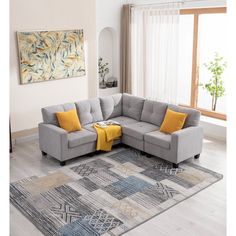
(215, 86)
(103, 70)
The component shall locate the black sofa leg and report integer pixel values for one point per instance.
(44, 153)
(122, 145)
(62, 163)
(197, 156)
(143, 153)
(175, 165)
(91, 154)
(148, 155)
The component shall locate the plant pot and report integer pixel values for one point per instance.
(102, 84)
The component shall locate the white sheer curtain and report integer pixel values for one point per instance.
(154, 51)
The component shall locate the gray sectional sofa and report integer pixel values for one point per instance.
(140, 120)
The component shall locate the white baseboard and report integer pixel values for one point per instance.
(214, 128)
(25, 139)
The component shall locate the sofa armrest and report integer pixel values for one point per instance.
(53, 140)
(187, 142)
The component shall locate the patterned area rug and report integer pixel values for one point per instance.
(108, 194)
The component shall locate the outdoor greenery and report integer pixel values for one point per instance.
(215, 86)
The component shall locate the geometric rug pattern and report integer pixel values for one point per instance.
(108, 194)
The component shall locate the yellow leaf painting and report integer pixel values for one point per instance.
(50, 55)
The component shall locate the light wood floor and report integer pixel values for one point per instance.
(204, 214)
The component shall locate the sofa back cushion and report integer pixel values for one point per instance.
(193, 117)
(154, 112)
(49, 113)
(89, 111)
(132, 106)
(111, 106)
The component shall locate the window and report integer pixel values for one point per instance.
(212, 33)
(202, 34)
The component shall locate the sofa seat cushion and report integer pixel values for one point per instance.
(124, 120)
(158, 138)
(81, 137)
(137, 130)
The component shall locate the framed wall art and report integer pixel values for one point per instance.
(50, 55)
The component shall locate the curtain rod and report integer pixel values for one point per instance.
(160, 3)
(154, 4)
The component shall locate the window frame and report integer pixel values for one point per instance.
(196, 12)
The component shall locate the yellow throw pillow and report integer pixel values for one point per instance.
(173, 121)
(69, 120)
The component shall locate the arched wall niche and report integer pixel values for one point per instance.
(108, 50)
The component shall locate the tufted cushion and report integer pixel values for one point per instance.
(153, 112)
(111, 106)
(193, 115)
(89, 111)
(137, 130)
(132, 106)
(49, 113)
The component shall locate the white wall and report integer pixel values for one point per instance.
(214, 128)
(27, 100)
